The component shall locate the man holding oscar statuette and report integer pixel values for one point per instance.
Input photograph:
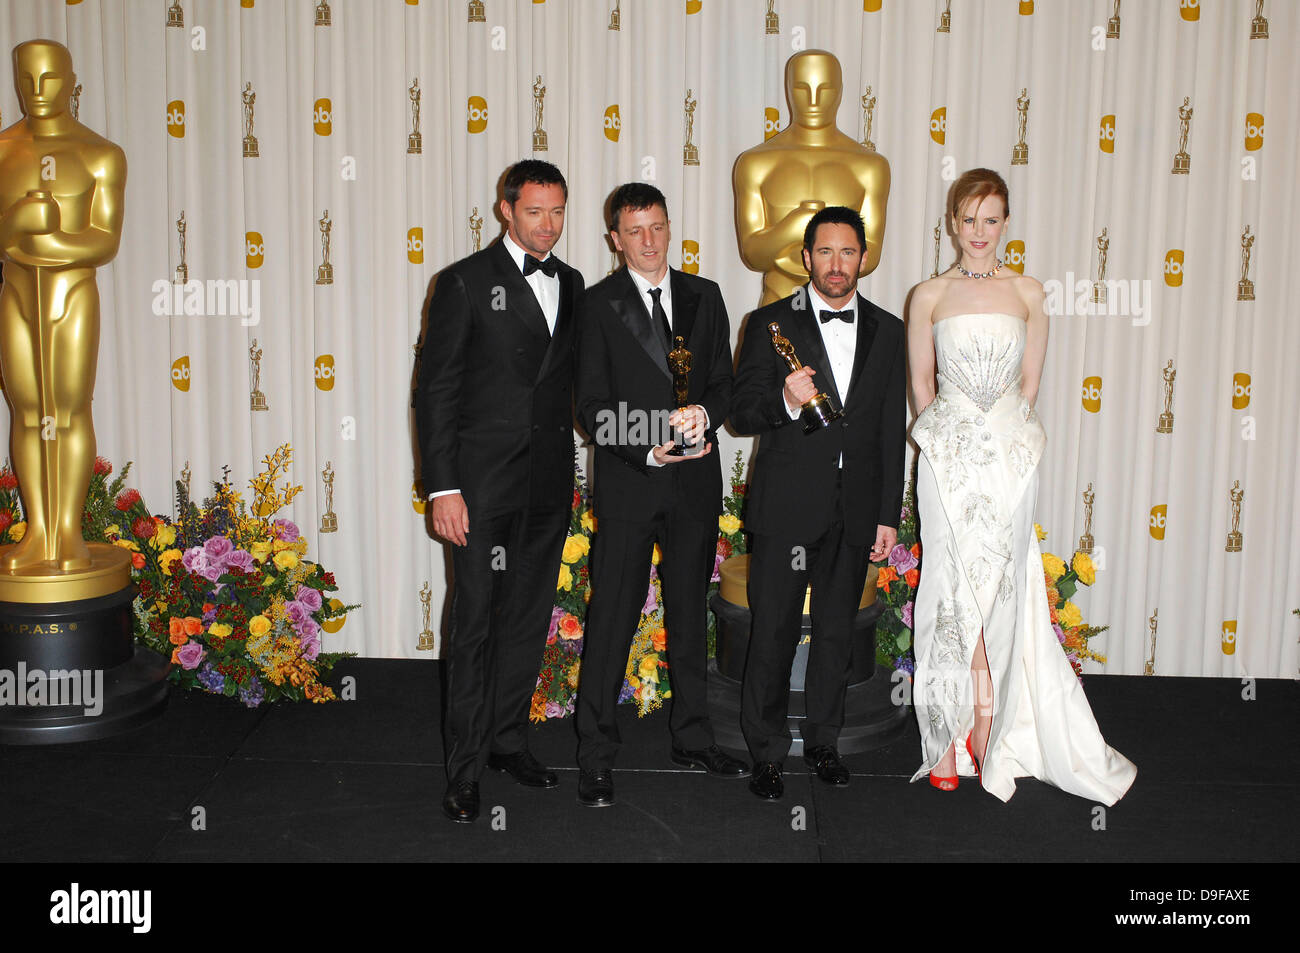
(650, 338)
(494, 411)
(821, 382)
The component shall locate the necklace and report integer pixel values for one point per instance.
(997, 265)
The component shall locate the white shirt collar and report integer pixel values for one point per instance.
(817, 304)
(644, 287)
(516, 252)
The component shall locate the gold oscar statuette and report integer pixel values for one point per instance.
(679, 362)
(1246, 287)
(477, 13)
(182, 270)
(782, 182)
(1150, 667)
(1166, 424)
(256, 399)
(1235, 496)
(616, 17)
(323, 17)
(1259, 25)
(1020, 151)
(329, 521)
(325, 271)
(539, 134)
(176, 16)
(1099, 286)
(475, 228)
(1183, 161)
(427, 641)
(945, 19)
(868, 109)
(771, 22)
(938, 231)
(186, 476)
(250, 141)
(74, 104)
(818, 411)
(1086, 543)
(1112, 25)
(414, 141)
(690, 152)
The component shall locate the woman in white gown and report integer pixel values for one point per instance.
(994, 694)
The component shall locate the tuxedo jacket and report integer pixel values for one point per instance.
(793, 486)
(622, 362)
(494, 398)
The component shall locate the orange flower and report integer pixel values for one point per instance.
(176, 655)
(1051, 612)
(887, 574)
(569, 628)
(137, 560)
(659, 638)
(1053, 597)
(916, 550)
(193, 626)
(176, 632)
(913, 577)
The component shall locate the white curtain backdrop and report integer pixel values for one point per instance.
(332, 117)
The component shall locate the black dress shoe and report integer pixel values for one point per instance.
(460, 803)
(596, 788)
(825, 762)
(712, 759)
(524, 768)
(766, 780)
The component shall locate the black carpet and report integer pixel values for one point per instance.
(362, 780)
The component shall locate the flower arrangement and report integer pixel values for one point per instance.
(731, 538)
(225, 594)
(1067, 619)
(896, 586)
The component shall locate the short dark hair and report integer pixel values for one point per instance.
(835, 215)
(535, 171)
(633, 197)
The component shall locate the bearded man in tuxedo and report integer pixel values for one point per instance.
(494, 413)
(822, 505)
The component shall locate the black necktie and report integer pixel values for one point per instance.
(548, 267)
(659, 319)
(846, 315)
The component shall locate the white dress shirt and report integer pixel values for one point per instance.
(840, 339)
(546, 288)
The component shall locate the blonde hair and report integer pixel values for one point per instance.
(976, 184)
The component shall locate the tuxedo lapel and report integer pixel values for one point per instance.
(685, 304)
(862, 351)
(562, 337)
(635, 316)
(521, 302)
(813, 350)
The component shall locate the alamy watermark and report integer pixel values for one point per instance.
(34, 687)
(214, 297)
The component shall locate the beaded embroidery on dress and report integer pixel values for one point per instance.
(977, 483)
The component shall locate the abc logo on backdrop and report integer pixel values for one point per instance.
(1159, 516)
(1189, 10)
(476, 114)
(176, 119)
(1229, 637)
(939, 124)
(1174, 267)
(612, 123)
(322, 117)
(324, 372)
(181, 373)
(1240, 390)
(1092, 394)
(415, 245)
(1254, 131)
(1014, 255)
(690, 256)
(1107, 135)
(771, 122)
(254, 249)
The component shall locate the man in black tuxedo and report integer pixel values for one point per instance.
(821, 505)
(494, 411)
(643, 493)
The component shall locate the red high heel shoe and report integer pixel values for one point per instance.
(938, 782)
(971, 753)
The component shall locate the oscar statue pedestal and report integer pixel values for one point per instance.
(69, 666)
(871, 719)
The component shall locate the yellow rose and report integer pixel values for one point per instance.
(163, 537)
(1084, 568)
(168, 560)
(285, 559)
(588, 521)
(220, 630)
(566, 578)
(1042, 533)
(656, 554)
(1054, 565)
(649, 669)
(112, 529)
(260, 550)
(18, 530)
(575, 547)
(259, 625)
(124, 543)
(1069, 615)
(728, 524)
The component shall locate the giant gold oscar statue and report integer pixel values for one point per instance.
(65, 605)
(781, 183)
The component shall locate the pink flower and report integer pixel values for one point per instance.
(309, 597)
(285, 530)
(717, 568)
(651, 600)
(907, 614)
(901, 558)
(190, 655)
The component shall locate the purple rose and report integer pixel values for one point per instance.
(1060, 635)
(296, 612)
(907, 614)
(285, 531)
(211, 571)
(190, 655)
(310, 648)
(242, 560)
(553, 710)
(307, 629)
(901, 558)
(556, 614)
(308, 596)
(651, 600)
(194, 558)
(717, 568)
(217, 548)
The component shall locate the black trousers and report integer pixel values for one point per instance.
(501, 609)
(780, 570)
(620, 561)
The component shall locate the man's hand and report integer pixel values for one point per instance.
(451, 518)
(886, 539)
(799, 388)
(691, 420)
(662, 458)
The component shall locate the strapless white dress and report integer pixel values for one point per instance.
(982, 569)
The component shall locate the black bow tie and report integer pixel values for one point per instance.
(548, 267)
(846, 315)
